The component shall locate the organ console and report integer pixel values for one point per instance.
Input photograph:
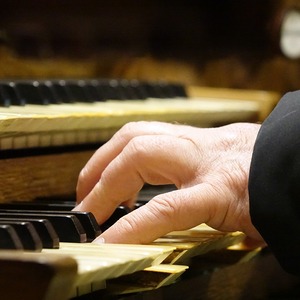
(49, 128)
(65, 89)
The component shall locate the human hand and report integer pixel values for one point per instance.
(210, 168)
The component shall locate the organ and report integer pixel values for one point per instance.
(51, 121)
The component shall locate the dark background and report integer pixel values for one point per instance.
(216, 43)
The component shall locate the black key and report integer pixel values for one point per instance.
(30, 93)
(166, 90)
(129, 90)
(69, 91)
(162, 90)
(46, 232)
(10, 94)
(78, 91)
(42, 205)
(48, 93)
(86, 219)
(137, 90)
(4, 97)
(178, 90)
(117, 214)
(116, 90)
(9, 239)
(150, 191)
(44, 229)
(107, 90)
(92, 91)
(27, 234)
(88, 222)
(152, 90)
(61, 93)
(68, 227)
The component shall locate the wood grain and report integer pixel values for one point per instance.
(32, 177)
(35, 276)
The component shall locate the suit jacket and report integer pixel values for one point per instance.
(274, 182)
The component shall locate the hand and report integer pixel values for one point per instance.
(210, 168)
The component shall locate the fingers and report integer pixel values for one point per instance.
(210, 166)
(180, 209)
(143, 159)
(91, 173)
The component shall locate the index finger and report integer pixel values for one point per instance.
(144, 159)
(176, 210)
(91, 173)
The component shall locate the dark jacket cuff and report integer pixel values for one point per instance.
(274, 182)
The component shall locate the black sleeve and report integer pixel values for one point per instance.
(274, 182)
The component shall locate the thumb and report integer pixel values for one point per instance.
(164, 213)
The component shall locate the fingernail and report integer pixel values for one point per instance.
(99, 240)
(78, 207)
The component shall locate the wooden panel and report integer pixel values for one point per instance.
(33, 276)
(28, 178)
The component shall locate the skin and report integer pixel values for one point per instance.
(210, 168)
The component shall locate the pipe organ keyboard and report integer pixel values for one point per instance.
(48, 130)
(68, 112)
(62, 233)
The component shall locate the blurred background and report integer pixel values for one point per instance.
(220, 49)
(246, 44)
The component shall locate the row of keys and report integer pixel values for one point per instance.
(65, 208)
(37, 229)
(43, 92)
(44, 224)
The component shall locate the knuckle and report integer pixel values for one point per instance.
(129, 131)
(138, 147)
(129, 128)
(166, 207)
(128, 226)
(137, 144)
(126, 132)
(82, 177)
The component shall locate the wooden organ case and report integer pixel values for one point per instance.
(71, 74)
